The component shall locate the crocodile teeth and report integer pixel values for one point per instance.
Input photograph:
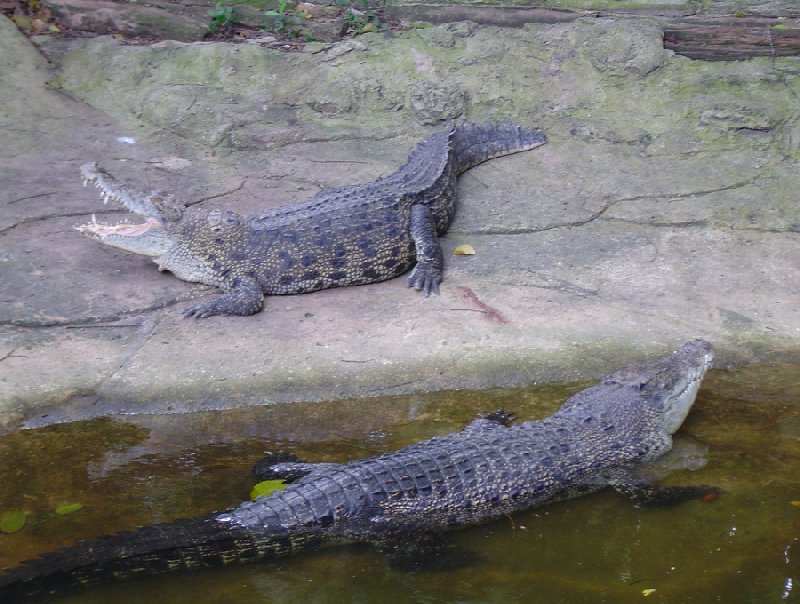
(85, 182)
(94, 219)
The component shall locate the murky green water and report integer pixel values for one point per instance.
(743, 547)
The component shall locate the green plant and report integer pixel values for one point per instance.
(286, 21)
(220, 15)
(362, 20)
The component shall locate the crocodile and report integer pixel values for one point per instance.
(604, 435)
(349, 235)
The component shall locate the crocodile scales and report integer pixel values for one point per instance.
(344, 236)
(601, 436)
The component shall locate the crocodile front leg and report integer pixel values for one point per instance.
(645, 493)
(243, 297)
(427, 274)
(497, 420)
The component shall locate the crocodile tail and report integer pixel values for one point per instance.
(181, 545)
(476, 143)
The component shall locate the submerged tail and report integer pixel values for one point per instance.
(476, 143)
(182, 545)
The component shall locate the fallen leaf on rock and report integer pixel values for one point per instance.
(23, 22)
(464, 249)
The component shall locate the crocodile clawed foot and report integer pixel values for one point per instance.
(707, 493)
(501, 416)
(654, 496)
(425, 278)
(245, 299)
(271, 466)
(678, 494)
(287, 467)
(201, 311)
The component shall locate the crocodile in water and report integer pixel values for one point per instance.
(601, 436)
(346, 236)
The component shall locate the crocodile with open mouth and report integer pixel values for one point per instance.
(350, 235)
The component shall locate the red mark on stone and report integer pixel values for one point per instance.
(490, 313)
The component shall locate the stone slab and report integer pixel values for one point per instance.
(662, 208)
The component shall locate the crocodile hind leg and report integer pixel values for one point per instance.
(427, 274)
(285, 466)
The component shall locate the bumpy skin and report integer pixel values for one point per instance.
(599, 437)
(346, 236)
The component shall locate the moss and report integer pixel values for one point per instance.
(665, 98)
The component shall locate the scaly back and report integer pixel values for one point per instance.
(423, 168)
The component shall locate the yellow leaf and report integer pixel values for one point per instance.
(22, 22)
(647, 592)
(12, 521)
(796, 503)
(464, 249)
(266, 488)
(69, 508)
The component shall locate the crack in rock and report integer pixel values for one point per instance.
(599, 214)
(217, 195)
(134, 348)
(27, 197)
(95, 320)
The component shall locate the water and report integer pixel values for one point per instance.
(742, 547)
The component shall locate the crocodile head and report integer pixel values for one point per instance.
(195, 244)
(150, 237)
(668, 387)
(647, 402)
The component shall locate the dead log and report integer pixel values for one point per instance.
(731, 39)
